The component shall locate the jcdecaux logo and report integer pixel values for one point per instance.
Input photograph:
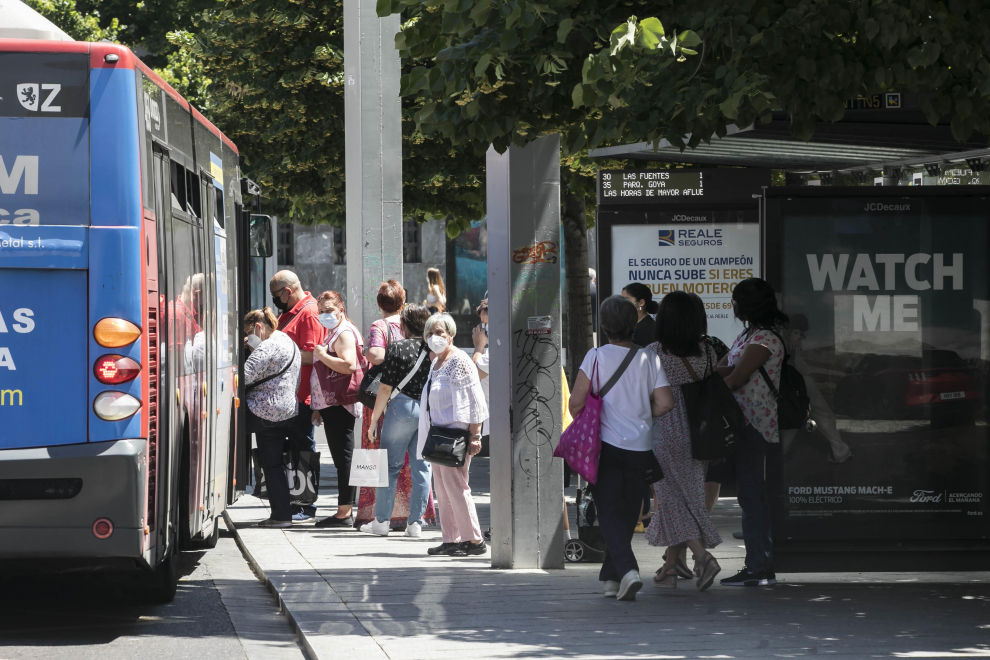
(22, 322)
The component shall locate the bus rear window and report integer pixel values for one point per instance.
(44, 139)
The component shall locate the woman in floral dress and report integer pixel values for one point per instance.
(681, 518)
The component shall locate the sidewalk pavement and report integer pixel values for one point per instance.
(357, 596)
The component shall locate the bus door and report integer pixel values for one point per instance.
(219, 388)
(190, 307)
(210, 364)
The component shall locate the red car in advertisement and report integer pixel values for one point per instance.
(939, 385)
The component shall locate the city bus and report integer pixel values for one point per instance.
(121, 237)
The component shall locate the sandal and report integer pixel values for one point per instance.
(666, 577)
(682, 568)
(708, 568)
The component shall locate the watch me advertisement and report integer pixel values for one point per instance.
(702, 252)
(890, 327)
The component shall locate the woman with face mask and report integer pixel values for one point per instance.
(338, 363)
(271, 378)
(452, 398)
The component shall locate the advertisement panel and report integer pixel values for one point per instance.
(703, 252)
(890, 326)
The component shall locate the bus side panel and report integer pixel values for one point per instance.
(115, 290)
(115, 184)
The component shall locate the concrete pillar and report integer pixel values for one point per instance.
(523, 187)
(373, 165)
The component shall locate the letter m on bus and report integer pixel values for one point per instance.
(24, 167)
(5, 393)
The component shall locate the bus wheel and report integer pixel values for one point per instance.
(164, 580)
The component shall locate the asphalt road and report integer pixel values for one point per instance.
(221, 611)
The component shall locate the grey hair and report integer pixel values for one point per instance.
(617, 318)
(443, 317)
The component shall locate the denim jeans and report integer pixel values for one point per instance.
(400, 433)
(751, 483)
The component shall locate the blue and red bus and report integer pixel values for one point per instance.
(121, 231)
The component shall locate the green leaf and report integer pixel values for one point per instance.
(383, 8)
(730, 106)
(565, 28)
(871, 28)
(482, 65)
(577, 96)
(689, 39)
(480, 12)
(514, 15)
(509, 40)
(805, 68)
(653, 25)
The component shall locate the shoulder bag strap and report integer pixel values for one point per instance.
(763, 371)
(412, 372)
(618, 372)
(690, 369)
(275, 375)
(429, 418)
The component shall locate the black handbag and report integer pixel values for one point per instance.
(372, 381)
(716, 421)
(444, 446)
(302, 471)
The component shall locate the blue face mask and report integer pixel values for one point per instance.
(329, 321)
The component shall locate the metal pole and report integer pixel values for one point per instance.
(523, 189)
(373, 158)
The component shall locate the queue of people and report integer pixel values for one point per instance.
(644, 411)
(428, 385)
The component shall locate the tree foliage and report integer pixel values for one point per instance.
(511, 71)
(78, 24)
(277, 72)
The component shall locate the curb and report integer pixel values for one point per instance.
(307, 649)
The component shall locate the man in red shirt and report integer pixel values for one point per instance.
(300, 320)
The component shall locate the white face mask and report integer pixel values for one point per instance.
(329, 321)
(254, 341)
(437, 344)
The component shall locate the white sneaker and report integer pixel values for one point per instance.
(611, 588)
(375, 527)
(415, 530)
(629, 586)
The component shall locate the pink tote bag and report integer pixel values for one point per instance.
(581, 444)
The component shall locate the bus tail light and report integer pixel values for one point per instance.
(116, 369)
(114, 333)
(102, 528)
(115, 406)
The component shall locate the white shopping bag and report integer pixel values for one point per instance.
(369, 468)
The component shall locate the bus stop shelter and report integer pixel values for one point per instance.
(887, 292)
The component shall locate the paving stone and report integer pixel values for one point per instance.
(354, 595)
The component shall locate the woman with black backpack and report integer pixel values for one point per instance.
(755, 359)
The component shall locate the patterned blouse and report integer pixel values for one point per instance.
(400, 358)
(378, 337)
(275, 399)
(757, 402)
(456, 399)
